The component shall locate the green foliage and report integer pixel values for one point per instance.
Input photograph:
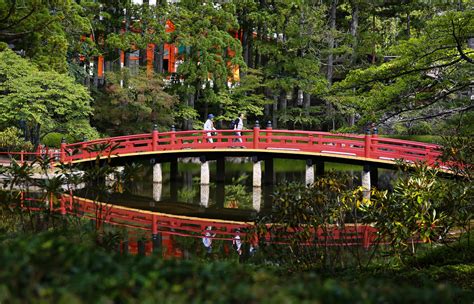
(425, 80)
(48, 99)
(43, 30)
(133, 108)
(54, 139)
(54, 267)
(10, 140)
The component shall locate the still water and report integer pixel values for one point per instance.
(235, 199)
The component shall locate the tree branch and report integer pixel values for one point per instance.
(433, 101)
(10, 12)
(452, 111)
(20, 20)
(459, 46)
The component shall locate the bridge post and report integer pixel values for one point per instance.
(256, 198)
(269, 132)
(205, 189)
(173, 137)
(220, 182)
(366, 181)
(62, 153)
(205, 176)
(157, 191)
(269, 171)
(309, 176)
(154, 138)
(173, 179)
(319, 167)
(374, 176)
(257, 172)
(367, 144)
(256, 134)
(374, 142)
(157, 173)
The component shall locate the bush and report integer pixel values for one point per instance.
(10, 140)
(53, 140)
(49, 267)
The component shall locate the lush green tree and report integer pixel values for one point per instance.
(10, 140)
(210, 53)
(135, 106)
(428, 79)
(46, 99)
(43, 30)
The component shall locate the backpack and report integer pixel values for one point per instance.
(234, 123)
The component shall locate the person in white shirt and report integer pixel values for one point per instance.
(237, 242)
(209, 126)
(239, 126)
(207, 239)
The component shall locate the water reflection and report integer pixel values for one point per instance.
(236, 198)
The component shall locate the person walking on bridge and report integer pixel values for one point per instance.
(209, 126)
(239, 126)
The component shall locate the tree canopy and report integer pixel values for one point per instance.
(42, 98)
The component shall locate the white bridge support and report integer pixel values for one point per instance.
(257, 173)
(309, 175)
(256, 198)
(157, 191)
(157, 173)
(366, 181)
(205, 189)
(205, 173)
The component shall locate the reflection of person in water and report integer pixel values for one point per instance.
(237, 242)
(207, 239)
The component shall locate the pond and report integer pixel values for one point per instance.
(235, 199)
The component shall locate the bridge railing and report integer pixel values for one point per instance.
(347, 145)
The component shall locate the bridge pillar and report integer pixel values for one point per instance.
(309, 176)
(205, 189)
(157, 191)
(157, 173)
(319, 167)
(256, 198)
(173, 179)
(173, 170)
(366, 181)
(257, 173)
(220, 164)
(205, 175)
(269, 180)
(374, 176)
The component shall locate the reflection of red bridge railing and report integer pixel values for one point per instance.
(369, 147)
(159, 223)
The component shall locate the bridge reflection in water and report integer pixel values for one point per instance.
(315, 149)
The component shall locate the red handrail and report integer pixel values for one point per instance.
(369, 147)
(344, 145)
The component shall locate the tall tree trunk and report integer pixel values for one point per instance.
(283, 104)
(330, 71)
(306, 102)
(354, 27)
(275, 111)
(408, 26)
(373, 39)
(332, 22)
(189, 122)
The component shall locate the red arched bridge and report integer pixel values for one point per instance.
(345, 147)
